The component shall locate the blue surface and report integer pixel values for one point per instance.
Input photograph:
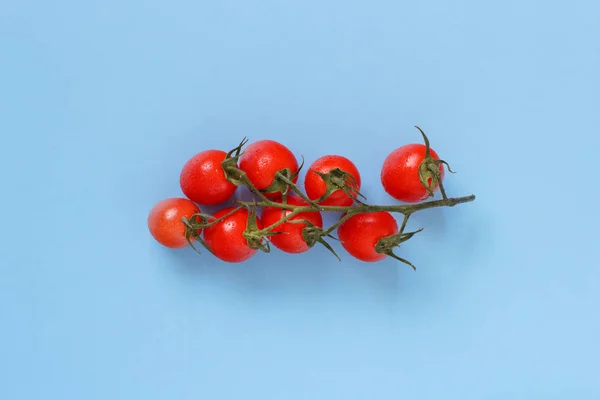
(102, 102)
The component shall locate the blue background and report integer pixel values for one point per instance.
(103, 101)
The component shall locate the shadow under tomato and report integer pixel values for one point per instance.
(285, 274)
(310, 276)
(318, 274)
(452, 244)
(446, 262)
(432, 220)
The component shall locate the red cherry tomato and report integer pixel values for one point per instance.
(225, 239)
(315, 186)
(400, 173)
(361, 232)
(165, 224)
(203, 181)
(261, 160)
(291, 241)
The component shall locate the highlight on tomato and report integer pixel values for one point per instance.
(413, 172)
(226, 239)
(289, 237)
(261, 161)
(333, 176)
(165, 221)
(203, 180)
(360, 234)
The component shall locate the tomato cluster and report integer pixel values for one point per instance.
(289, 219)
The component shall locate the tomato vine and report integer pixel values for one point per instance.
(337, 180)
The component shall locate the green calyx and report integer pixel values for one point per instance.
(388, 244)
(312, 235)
(337, 179)
(283, 181)
(232, 173)
(253, 235)
(193, 227)
(429, 171)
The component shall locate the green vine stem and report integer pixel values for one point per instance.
(429, 175)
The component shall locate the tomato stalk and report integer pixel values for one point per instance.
(295, 187)
(336, 180)
(430, 173)
(397, 208)
(254, 235)
(283, 180)
(387, 244)
(193, 226)
(313, 234)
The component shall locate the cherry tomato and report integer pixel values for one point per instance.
(262, 159)
(361, 232)
(291, 241)
(315, 186)
(225, 239)
(165, 224)
(203, 181)
(400, 173)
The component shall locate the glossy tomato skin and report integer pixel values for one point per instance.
(291, 241)
(361, 232)
(262, 159)
(315, 185)
(225, 239)
(203, 181)
(165, 224)
(400, 173)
